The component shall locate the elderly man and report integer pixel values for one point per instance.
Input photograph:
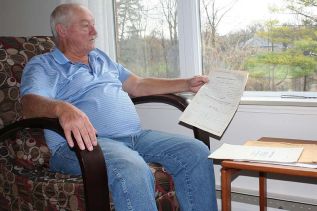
(89, 94)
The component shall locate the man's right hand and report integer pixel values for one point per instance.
(76, 122)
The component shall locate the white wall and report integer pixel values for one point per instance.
(25, 18)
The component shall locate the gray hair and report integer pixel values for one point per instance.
(62, 15)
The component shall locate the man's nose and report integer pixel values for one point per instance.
(93, 30)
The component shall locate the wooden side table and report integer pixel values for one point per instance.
(229, 168)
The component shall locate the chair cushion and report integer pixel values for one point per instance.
(38, 189)
(28, 149)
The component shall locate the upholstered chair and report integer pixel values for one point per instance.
(25, 180)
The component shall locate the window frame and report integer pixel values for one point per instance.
(109, 38)
(190, 53)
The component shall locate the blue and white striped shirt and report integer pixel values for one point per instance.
(96, 89)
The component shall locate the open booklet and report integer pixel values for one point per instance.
(215, 104)
(298, 153)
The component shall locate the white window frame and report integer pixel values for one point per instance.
(110, 43)
(109, 37)
(190, 57)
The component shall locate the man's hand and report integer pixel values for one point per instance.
(76, 122)
(196, 82)
(72, 120)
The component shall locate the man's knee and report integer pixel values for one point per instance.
(196, 147)
(134, 172)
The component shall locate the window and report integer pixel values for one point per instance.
(274, 40)
(147, 36)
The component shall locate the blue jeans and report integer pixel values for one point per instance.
(131, 181)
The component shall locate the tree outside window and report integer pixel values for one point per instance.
(147, 38)
(278, 49)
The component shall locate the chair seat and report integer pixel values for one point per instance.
(39, 189)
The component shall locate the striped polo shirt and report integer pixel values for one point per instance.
(96, 89)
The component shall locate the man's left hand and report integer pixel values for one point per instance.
(196, 82)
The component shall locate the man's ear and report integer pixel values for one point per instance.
(61, 30)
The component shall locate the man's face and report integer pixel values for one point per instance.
(81, 33)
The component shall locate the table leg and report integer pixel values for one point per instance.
(225, 189)
(226, 176)
(262, 191)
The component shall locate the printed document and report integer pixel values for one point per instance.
(215, 104)
(307, 158)
(255, 153)
(309, 150)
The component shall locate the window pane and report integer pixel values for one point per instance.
(274, 40)
(147, 37)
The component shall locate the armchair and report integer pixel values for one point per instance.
(25, 180)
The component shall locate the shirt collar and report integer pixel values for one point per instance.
(62, 59)
(59, 56)
(93, 54)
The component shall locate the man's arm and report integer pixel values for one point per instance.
(138, 86)
(72, 120)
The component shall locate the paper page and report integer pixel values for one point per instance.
(308, 156)
(253, 153)
(215, 104)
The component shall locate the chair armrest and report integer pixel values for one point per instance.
(170, 99)
(177, 101)
(92, 163)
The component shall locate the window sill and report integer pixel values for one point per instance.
(298, 99)
(277, 101)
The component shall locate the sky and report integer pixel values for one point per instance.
(247, 12)
(241, 15)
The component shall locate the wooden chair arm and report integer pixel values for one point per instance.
(177, 101)
(92, 163)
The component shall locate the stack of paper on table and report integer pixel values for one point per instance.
(308, 157)
(271, 150)
(257, 153)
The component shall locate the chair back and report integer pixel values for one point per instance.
(15, 52)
